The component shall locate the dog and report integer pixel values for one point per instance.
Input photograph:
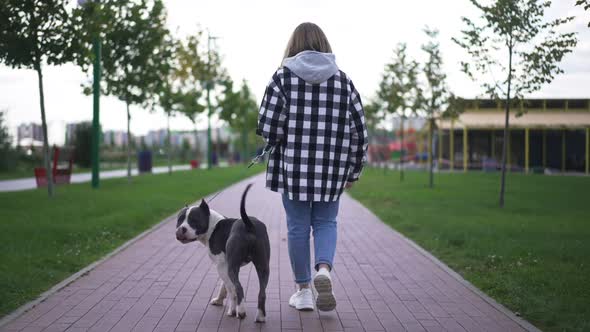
(232, 243)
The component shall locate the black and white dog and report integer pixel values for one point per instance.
(232, 243)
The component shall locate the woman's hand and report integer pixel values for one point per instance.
(348, 185)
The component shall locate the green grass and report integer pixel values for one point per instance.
(533, 256)
(44, 240)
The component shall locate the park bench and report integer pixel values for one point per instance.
(61, 168)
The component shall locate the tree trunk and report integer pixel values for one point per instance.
(430, 152)
(401, 155)
(46, 157)
(169, 143)
(196, 140)
(506, 132)
(218, 144)
(128, 143)
(245, 144)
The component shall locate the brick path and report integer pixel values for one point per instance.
(381, 281)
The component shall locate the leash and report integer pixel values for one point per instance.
(267, 149)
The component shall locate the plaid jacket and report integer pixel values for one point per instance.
(318, 135)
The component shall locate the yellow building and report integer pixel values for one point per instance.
(552, 134)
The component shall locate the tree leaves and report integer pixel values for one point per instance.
(517, 25)
(35, 32)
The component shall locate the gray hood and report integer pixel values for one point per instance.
(313, 67)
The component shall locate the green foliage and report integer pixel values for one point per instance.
(240, 110)
(435, 95)
(517, 29)
(196, 68)
(83, 144)
(398, 91)
(9, 159)
(131, 33)
(36, 32)
(585, 4)
(5, 139)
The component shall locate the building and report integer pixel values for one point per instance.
(117, 138)
(30, 134)
(552, 134)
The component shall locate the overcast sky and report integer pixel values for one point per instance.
(252, 38)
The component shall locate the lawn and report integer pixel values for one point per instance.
(533, 256)
(44, 240)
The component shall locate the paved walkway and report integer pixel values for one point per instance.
(382, 283)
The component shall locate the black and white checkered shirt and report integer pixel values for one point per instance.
(318, 133)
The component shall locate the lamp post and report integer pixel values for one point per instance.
(96, 49)
(209, 86)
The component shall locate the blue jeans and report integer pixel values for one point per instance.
(303, 216)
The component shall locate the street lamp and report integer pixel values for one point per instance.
(96, 48)
(209, 83)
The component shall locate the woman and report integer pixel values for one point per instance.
(312, 117)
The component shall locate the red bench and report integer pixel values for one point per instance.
(61, 170)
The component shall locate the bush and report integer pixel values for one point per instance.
(83, 144)
(8, 156)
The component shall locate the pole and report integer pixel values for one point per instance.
(401, 155)
(430, 154)
(563, 151)
(452, 145)
(440, 146)
(209, 156)
(544, 149)
(587, 151)
(96, 46)
(505, 146)
(465, 149)
(526, 150)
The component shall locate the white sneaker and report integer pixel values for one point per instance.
(323, 286)
(302, 299)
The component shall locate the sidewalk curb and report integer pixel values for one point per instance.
(31, 304)
(520, 321)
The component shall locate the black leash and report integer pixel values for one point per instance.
(256, 160)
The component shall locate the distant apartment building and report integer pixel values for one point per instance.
(117, 138)
(30, 134)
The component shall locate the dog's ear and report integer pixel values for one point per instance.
(204, 207)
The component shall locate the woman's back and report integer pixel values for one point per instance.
(313, 116)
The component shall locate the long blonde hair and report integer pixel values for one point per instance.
(307, 37)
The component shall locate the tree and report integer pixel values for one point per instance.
(196, 68)
(165, 94)
(532, 49)
(9, 155)
(436, 100)
(34, 33)
(585, 4)
(190, 75)
(82, 144)
(131, 34)
(399, 91)
(240, 110)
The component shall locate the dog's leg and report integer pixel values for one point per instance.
(229, 288)
(234, 272)
(263, 273)
(220, 295)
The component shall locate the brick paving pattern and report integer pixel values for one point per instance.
(381, 282)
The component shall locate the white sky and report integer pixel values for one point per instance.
(252, 37)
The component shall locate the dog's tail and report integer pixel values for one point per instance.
(243, 214)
